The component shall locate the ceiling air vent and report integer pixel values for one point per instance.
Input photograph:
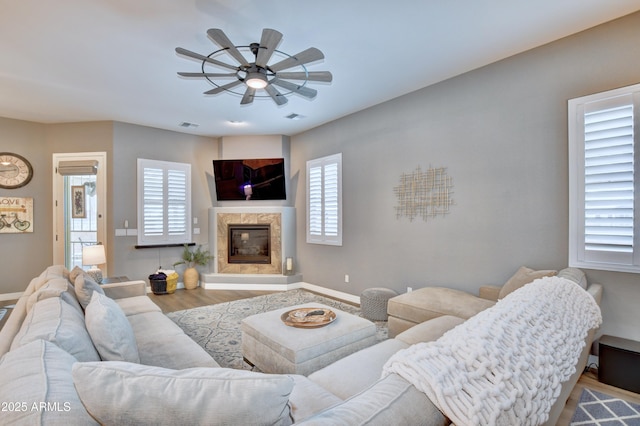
(188, 125)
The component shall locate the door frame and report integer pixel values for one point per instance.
(58, 202)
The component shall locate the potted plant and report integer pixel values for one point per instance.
(193, 258)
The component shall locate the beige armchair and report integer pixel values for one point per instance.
(409, 309)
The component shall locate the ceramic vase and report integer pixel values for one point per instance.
(190, 278)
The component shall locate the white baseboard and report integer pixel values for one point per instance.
(284, 287)
(331, 293)
(10, 296)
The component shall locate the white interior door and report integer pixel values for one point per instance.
(79, 210)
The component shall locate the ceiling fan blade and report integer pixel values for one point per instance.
(268, 43)
(304, 57)
(301, 90)
(275, 95)
(195, 55)
(223, 88)
(207, 74)
(223, 41)
(309, 76)
(248, 96)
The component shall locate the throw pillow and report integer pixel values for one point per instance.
(522, 276)
(37, 387)
(574, 274)
(141, 394)
(73, 274)
(85, 286)
(110, 330)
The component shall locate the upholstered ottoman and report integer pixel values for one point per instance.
(274, 347)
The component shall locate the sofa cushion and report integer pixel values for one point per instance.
(85, 286)
(139, 394)
(162, 343)
(58, 322)
(110, 330)
(362, 369)
(56, 287)
(432, 302)
(309, 398)
(389, 401)
(54, 271)
(429, 330)
(38, 389)
(137, 305)
(522, 276)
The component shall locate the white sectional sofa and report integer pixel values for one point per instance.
(73, 356)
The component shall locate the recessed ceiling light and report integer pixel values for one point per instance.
(236, 122)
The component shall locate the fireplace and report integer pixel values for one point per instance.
(281, 224)
(249, 243)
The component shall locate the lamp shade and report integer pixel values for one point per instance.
(93, 255)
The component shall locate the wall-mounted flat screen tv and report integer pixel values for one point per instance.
(253, 179)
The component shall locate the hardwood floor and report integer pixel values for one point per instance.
(187, 299)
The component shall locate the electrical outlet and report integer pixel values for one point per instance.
(409, 289)
(346, 278)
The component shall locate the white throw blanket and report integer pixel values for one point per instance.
(505, 365)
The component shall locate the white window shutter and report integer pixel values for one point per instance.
(164, 202)
(324, 200)
(604, 219)
(609, 191)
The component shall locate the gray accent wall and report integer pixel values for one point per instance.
(501, 132)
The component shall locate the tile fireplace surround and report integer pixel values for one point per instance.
(282, 245)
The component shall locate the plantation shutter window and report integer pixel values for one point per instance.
(164, 202)
(324, 200)
(604, 221)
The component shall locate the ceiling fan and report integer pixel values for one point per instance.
(256, 74)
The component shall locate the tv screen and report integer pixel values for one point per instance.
(255, 179)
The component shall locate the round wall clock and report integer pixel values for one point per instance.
(15, 170)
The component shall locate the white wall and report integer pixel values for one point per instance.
(501, 132)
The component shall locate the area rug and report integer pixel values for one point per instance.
(596, 408)
(217, 327)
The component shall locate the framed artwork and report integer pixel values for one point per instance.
(78, 202)
(16, 215)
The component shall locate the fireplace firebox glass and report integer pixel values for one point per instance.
(249, 243)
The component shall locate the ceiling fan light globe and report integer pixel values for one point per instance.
(256, 80)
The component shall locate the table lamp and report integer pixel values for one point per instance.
(94, 256)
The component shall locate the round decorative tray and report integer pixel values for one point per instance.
(308, 317)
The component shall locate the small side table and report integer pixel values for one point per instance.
(619, 363)
(111, 280)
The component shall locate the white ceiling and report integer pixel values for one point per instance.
(91, 60)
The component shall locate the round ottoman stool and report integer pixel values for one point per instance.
(373, 302)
